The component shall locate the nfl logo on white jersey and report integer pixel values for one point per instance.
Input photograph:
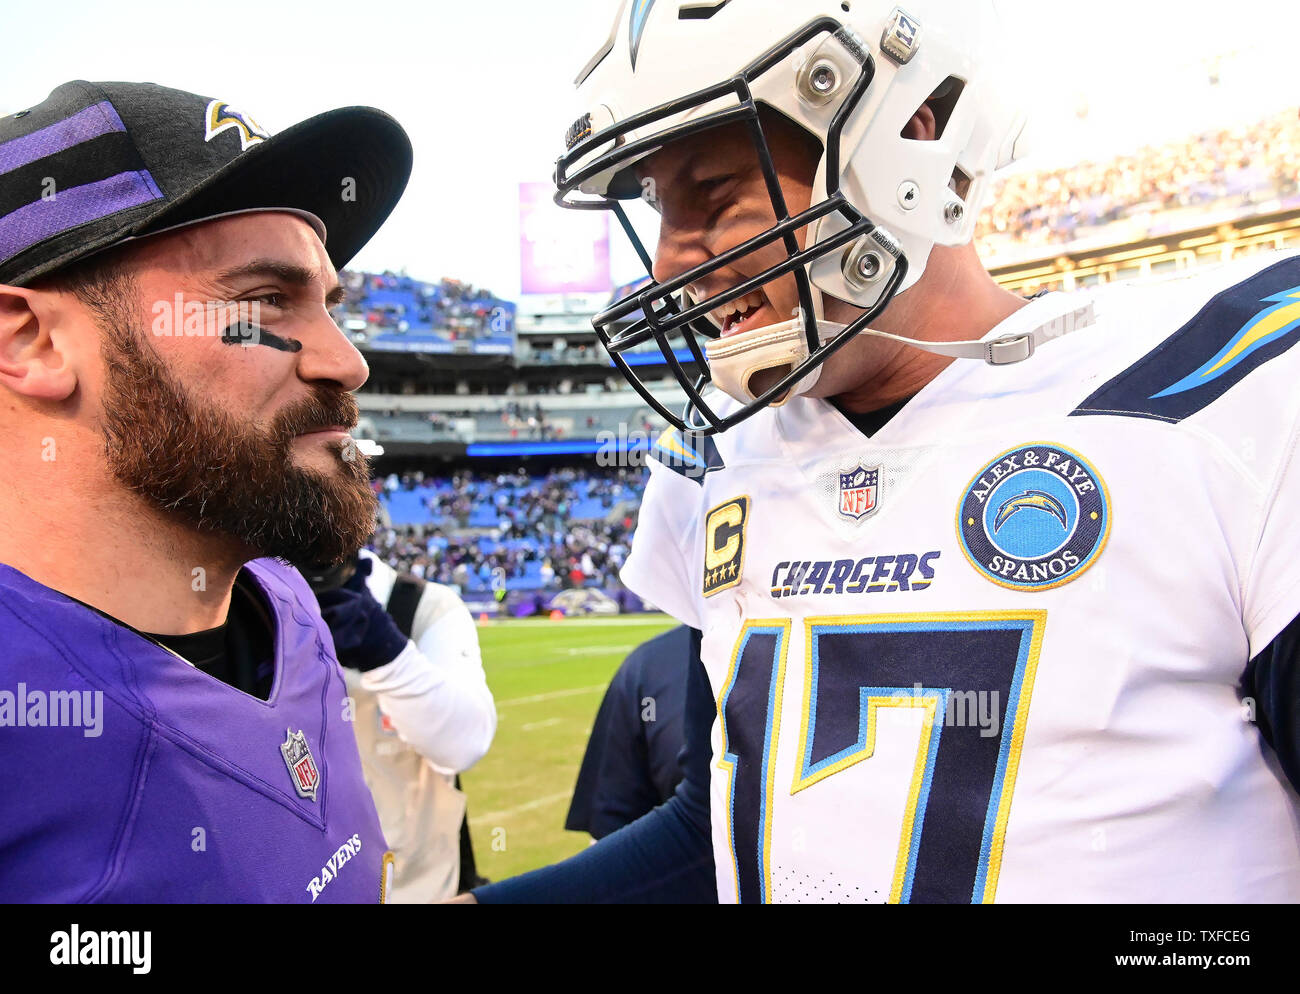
(858, 492)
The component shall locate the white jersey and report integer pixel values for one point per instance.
(993, 651)
(419, 720)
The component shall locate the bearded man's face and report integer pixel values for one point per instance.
(242, 440)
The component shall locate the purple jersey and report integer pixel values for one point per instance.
(129, 776)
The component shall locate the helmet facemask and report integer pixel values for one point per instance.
(792, 351)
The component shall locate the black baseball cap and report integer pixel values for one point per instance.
(96, 164)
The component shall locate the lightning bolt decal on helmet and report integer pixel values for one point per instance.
(880, 201)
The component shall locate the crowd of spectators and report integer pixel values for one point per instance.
(534, 542)
(465, 311)
(387, 382)
(560, 351)
(1243, 166)
(394, 302)
(529, 421)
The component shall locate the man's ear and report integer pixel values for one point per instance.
(923, 126)
(33, 361)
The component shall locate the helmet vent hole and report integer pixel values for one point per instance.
(700, 10)
(942, 102)
(960, 182)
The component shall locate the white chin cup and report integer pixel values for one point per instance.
(735, 361)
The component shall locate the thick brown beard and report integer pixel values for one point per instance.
(200, 464)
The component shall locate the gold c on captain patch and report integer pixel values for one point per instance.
(724, 545)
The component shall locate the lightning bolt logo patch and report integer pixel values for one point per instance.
(1267, 326)
(1034, 518)
(1030, 498)
(1237, 331)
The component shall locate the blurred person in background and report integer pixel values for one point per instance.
(633, 761)
(421, 709)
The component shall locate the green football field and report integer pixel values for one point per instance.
(548, 678)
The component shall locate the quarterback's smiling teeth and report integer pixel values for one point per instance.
(737, 310)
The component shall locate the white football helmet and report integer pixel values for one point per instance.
(852, 74)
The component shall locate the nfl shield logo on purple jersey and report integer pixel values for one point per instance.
(859, 491)
(302, 768)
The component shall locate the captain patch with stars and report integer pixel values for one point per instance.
(1034, 518)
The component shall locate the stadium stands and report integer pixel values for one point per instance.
(510, 531)
(390, 312)
(511, 422)
(1231, 172)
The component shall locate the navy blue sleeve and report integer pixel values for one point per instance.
(1273, 680)
(666, 857)
(633, 758)
(664, 679)
(614, 786)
